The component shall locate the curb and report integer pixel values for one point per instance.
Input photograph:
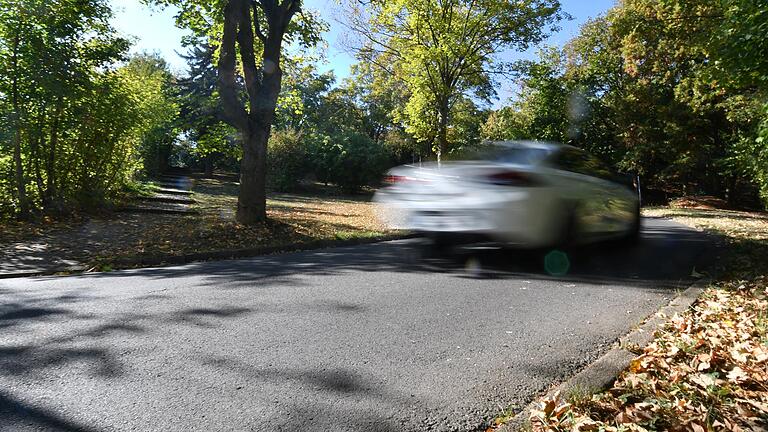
(165, 260)
(602, 373)
(158, 260)
(33, 273)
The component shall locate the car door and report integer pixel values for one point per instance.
(616, 204)
(585, 193)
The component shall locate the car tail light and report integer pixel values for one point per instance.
(397, 179)
(394, 179)
(511, 178)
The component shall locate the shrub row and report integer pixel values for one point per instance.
(349, 160)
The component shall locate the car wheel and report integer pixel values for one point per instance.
(436, 246)
(633, 234)
(566, 238)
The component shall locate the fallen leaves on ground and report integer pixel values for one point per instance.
(707, 369)
(294, 219)
(699, 202)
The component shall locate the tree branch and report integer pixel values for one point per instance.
(233, 111)
(256, 23)
(245, 39)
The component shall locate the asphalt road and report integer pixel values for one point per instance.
(366, 338)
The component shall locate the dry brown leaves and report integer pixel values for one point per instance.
(699, 202)
(707, 369)
(293, 219)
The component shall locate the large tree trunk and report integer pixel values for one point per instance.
(21, 186)
(262, 86)
(252, 201)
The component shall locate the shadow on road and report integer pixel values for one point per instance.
(663, 260)
(89, 349)
(665, 257)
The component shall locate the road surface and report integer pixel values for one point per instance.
(365, 338)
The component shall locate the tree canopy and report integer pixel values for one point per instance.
(676, 91)
(446, 50)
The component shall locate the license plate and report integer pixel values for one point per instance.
(435, 222)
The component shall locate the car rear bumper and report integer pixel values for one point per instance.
(523, 218)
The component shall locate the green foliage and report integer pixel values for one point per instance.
(72, 116)
(81, 128)
(303, 95)
(545, 105)
(348, 159)
(751, 153)
(672, 90)
(7, 204)
(209, 141)
(287, 160)
(151, 85)
(506, 123)
(445, 51)
(464, 131)
(345, 130)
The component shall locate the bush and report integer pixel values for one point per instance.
(350, 160)
(287, 160)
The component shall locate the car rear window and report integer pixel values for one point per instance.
(518, 155)
(522, 155)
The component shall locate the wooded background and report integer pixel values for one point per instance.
(674, 90)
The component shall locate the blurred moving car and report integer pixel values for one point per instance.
(517, 194)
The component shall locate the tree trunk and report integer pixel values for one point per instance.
(50, 163)
(442, 130)
(262, 86)
(36, 144)
(21, 186)
(252, 200)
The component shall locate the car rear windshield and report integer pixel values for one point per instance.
(522, 155)
(510, 154)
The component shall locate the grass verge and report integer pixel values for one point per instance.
(292, 219)
(707, 369)
(107, 241)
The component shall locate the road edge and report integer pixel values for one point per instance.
(601, 374)
(221, 255)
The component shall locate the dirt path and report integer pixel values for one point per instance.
(75, 247)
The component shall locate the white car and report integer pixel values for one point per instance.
(517, 194)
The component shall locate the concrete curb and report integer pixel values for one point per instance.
(165, 260)
(47, 272)
(602, 373)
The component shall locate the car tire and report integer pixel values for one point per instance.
(436, 246)
(566, 238)
(633, 235)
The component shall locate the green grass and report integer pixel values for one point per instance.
(140, 188)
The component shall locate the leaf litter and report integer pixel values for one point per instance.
(707, 368)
